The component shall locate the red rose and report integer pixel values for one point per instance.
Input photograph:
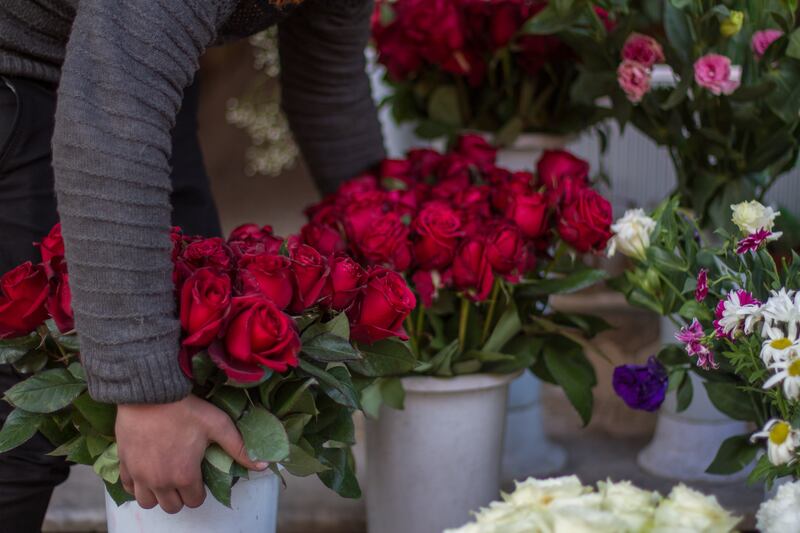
(23, 293)
(258, 335)
(204, 306)
(52, 246)
(269, 275)
(562, 175)
(254, 239)
(467, 63)
(506, 249)
(310, 272)
(361, 212)
(424, 162)
(326, 239)
(438, 229)
(507, 18)
(59, 299)
(345, 282)
(474, 199)
(399, 56)
(472, 272)
(529, 212)
(585, 223)
(213, 253)
(396, 169)
(386, 242)
(535, 51)
(383, 306)
(425, 286)
(475, 149)
(434, 27)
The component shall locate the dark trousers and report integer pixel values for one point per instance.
(27, 212)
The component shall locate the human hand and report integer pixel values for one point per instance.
(161, 447)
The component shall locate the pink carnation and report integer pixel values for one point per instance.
(701, 291)
(642, 49)
(692, 337)
(762, 39)
(634, 79)
(713, 72)
(753, 242)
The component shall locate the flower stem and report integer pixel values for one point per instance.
(412, 335)
(462, 323)
(490, 315)
(420, 327)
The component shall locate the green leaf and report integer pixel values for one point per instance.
(381, 391)
(730, 400)
(679, 33)
(19, 428)
(219, 458)
(96, 443)
(684, 394)
(101, 416)
(512, 129)
(12, 350)
(31, 362)
(46, 392)
(219, 483)
(264, 436)
(330, 348)
(666, 260)
(548, 21)
(341, 478)
(567, 285)
(295, 425)
(335, 388)
(77, 371)
(118, 493)
(506, 329)
(70, 343)
(441, 364)
(384, 358)
(574, 373)
(338, 326)
(79, 453)
(202, 367)
(107, 465)
(444, 107)
(290, 396)
(694, 309)
(301, 463)
(734, 454)
(231, 400)
(793, 50)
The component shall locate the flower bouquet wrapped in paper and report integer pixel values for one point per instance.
(739, 316)
(265, 337)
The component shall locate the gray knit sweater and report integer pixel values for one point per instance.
(122, 67)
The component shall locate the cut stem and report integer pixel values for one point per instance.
(490, 315)
(462, 323)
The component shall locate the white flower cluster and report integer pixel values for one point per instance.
(564, 505)
(781, 514)
(632, 234)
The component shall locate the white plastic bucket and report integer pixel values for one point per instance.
(254, 510)
(432, 463)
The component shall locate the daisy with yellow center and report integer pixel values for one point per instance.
(788, 373)
(782, 441)
(778, 347)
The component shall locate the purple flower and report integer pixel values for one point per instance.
(701, 291)
(692, 336)
(641, 386)
(753, 242)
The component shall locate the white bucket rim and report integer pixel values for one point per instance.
(465, 383)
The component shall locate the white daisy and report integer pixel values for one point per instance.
(788, 374)
(777, 346)
(782, 441)
(783, 308)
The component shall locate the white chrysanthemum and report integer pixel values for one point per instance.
(752, 216)
(787, 374)
(735, 314)
(686, 510)
(783, 310)
(777, 347)
(781, 514)
(782, 441)
(632, 234)
(631, 504)
(543, 492)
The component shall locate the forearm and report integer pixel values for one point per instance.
(326, 90)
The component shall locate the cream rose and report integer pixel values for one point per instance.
(752, 216)
(686, 510)
(781, 513)
(632, 234)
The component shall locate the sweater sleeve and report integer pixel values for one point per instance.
(326, 90)
(126, 66)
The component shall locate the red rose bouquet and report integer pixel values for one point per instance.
(471, 64)
(267, 331)
(484, 249)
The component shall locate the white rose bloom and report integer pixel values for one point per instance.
(688, 511)
(782, 441)
(752, 216)
(542, 492)
(632, 234)
(781, 514)
(582, 520)
(629, 503)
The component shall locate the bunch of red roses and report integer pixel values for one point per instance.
(236, 298)
(458, 221)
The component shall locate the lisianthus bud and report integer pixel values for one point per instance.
(752, 216)
(632, 234)
(731, 25)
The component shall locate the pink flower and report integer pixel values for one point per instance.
(738, 306)
(692, 337)
(701, 291)
(642, 49)
(753, 242)
(713, 72)
(762, 39)
(634, 79)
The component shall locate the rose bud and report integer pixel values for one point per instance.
(438, 228)
(386, 242)
(204, 306)
(530, 212)
(258, 335)
(252, 239)
(310, 272)
(59, 300)
(269, 275)
(382, 307)
(393, 171)
(326, 239)
(506, 249)
(52, 247)
(345, 282)
(213, 253)
(562, 174)
(23, 293)
(472, 272)
(476, 150)
(427, 285)
(585, 224)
